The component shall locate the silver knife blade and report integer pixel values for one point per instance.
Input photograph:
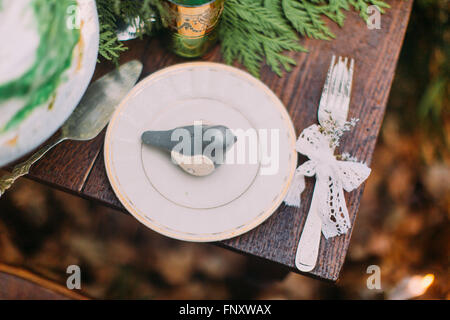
(100, 101)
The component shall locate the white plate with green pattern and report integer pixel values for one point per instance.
(48, 56)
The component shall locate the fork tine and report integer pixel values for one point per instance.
(348, 83)
(336, 93)
(326, 86)
(339, 97)
(344, 102)
(340, 74)
(345, 77)
(350, 75)
(335, 76)
(326, 91)
(331, 99)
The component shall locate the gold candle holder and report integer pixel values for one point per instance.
(191, 25)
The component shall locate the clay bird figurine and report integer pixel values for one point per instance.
(198, 149)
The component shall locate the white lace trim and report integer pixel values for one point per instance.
(332, 178)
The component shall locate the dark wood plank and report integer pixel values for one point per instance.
(98, 187)
(20, 284)
(15, 288)
(376, 53)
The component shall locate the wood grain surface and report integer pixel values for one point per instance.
(21, 284)
(78, 166)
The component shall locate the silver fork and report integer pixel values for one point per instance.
(334, 103)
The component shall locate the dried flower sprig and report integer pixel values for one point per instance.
(334, 132)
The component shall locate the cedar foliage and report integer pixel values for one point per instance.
(252, 32)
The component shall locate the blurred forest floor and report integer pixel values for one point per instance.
(403, 223)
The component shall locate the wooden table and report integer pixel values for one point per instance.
(21, 284)
(78, 166)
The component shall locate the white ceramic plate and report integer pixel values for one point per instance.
(237, 196)
(44, 121)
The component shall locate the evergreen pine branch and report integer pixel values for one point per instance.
(251, 31)
(109, 12)
(109, 47)
(362, 5)
(242, 39)
(306, 18)
(334, 10)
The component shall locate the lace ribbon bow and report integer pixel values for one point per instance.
(332, 178)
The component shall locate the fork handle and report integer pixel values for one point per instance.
(308, 246)
(21, 169)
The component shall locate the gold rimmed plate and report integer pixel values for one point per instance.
(240, 194)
